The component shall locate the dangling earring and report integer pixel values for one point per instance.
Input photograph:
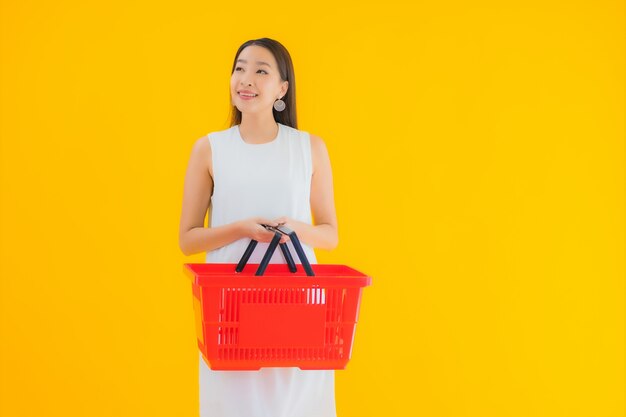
(279, 105)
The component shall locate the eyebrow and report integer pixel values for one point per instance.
(258, 62)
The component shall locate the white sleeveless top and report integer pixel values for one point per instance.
(269, 180)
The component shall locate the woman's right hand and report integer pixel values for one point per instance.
(252, 228)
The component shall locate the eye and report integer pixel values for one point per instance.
(239, 68)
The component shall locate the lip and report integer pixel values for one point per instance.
(246, 92)
(245, 98)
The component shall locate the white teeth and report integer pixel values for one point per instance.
(248, 95)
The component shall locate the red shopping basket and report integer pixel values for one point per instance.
(285, 318)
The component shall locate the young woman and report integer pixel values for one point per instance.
(262, 170)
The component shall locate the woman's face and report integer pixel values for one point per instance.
(256, 71)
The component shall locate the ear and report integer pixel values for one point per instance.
(284, 87)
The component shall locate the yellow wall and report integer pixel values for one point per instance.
(478, 154)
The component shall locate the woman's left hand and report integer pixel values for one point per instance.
(283, 220)
(287, 222)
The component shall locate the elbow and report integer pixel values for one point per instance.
(184, 248)
(332, 243)
(331, 246)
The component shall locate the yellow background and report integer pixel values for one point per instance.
(478, 155)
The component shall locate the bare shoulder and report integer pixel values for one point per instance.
(202, 145)
(201, 152)
(318, 147)
(316, 139)
(319, 153)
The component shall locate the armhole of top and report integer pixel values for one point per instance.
(311, 167)
(212, 159)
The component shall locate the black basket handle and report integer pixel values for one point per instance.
(278, 232)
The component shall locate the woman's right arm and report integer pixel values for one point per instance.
(193, 236)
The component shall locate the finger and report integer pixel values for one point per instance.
(266, 237)
(267, 221)
(261, 227)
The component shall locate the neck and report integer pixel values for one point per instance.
(256, 128)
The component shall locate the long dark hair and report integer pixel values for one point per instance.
(285, 69)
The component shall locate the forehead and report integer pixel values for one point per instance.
(255, 55)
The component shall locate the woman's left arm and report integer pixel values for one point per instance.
(323, 233)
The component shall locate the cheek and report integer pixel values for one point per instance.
(268, 86)
(234, 86)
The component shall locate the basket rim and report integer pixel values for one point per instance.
(276, 275)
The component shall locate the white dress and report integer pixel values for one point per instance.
(268, 180)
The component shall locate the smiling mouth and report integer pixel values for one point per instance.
(247, 95)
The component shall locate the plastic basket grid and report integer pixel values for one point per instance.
(281, 319)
